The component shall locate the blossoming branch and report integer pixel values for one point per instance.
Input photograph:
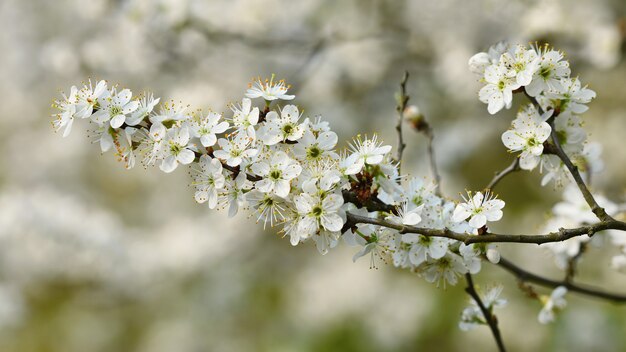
(266, 157)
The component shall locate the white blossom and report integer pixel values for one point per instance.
(115, 108)
(206, 127)
(209, 180)
(551, 70)
(479, 208)
(318, 211)
(522, 62)
(314, 148)
(498, 91)
(552, 304)
(245, 118)
(269, 90)
(368, 151)
(176, 149)
(276, 174)
(447, 269)
(472, 316)
(283, 127)
(529, 132)
(234, 150)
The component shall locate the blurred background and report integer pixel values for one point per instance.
(97, 258)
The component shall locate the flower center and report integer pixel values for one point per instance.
(317, 211)
(545, 72)
(275, 175)
(115, 110)
(425, 241)
(313, 152)
(288, 128)
(175, 148)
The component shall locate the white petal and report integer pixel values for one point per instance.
(118, 120)
(332, 222)
(186, 156)
(478, 221)
(169, 164)
(282, 188)
(327, 140)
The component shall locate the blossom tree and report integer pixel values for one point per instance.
(285, 168)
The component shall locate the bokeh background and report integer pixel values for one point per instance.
(97, 258)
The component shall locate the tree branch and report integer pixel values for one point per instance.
(573, 169)
(433, 162)
(502, 174)
(490, 318)
(526, 276)
(488, 237)
(403, 99)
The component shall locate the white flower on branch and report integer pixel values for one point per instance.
(208, 180)
(269, 90)
(115, 108)
(480, 61)
(245, 118)
(552, 68)
(206, 127)
(146, 106)
(472, 316)
(568, 97)
(423, 248)
(522, 62)
(314, 148)
(177, 149)
(446, 269)
(552, 304)
(368, 151)
(529, 132)
(498, 91)
(90, 98)
(235, 150)
(151, 143)
(277, 174)
(283, 127)
(479, 208)
(65, 119)
(318, 211)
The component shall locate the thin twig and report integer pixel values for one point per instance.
(502, 174)
(557, 236)
(526, 276)
(572, 263)
(433, 162)
(403, 99)
(573, 169)
(490, 318)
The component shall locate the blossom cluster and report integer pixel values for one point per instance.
(287, 170)
(543, 74)
(551, 120)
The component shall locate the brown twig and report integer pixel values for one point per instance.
(490, 318)
(428, 131)
(488, 237)
(526, 276)
(502, 174)
(403, 99)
